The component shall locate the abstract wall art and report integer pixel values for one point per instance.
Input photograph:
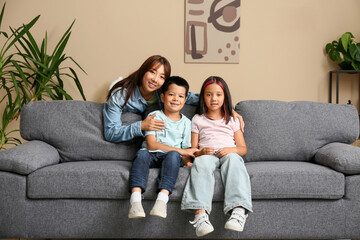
(212, 31)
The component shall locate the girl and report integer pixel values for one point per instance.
(134, 94)
(221, 142)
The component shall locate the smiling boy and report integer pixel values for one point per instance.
(167, 149)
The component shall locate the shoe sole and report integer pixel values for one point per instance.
(203, 234)
(136, 216)
(157, 214)
(233, 228)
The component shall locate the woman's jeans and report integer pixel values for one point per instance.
(169, 164)
(199, 187)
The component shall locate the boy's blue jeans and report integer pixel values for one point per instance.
(199, 187)
(169, 164)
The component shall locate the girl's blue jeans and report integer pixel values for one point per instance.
(199, 187)
(169, 164)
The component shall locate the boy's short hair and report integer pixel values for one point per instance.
(175, 80)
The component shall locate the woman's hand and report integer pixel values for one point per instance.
(151, 124)
(241, 120)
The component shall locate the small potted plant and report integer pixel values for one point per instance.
(345, 51)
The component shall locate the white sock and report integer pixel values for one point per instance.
(163, 197)
(135, 197)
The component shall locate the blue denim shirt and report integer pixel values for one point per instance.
(114, 131)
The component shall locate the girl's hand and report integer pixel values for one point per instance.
(223, 152)
(241, 120)
(151, 124)
(206, 151)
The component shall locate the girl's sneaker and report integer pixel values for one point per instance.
(237, 220)
(202, 224)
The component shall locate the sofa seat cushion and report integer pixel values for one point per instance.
(290, 179)
(109, 180)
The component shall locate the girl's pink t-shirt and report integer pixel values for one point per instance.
(215, 133)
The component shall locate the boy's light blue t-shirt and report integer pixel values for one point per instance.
(176, 133)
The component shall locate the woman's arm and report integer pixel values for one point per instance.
(114, 130)
(241, 120)
(192, 98)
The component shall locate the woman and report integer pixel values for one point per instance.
(134, 94)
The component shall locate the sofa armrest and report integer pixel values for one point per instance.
(28, 157)
(342, 157)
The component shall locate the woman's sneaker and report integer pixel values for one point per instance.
(136, 210)
(237, 220)
(202, 224)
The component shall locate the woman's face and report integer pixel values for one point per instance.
(153, 79)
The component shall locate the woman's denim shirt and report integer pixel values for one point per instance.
(114, 130)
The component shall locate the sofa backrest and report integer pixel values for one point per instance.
(276, 130)
(75, 129)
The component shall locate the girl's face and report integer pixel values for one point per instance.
(214, 97)
(153, 79)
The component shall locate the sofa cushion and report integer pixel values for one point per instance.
(28, 157)
(276, 130)
(75, 129)
(109, 180)
(344, 158)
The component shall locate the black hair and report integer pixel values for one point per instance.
(227, 107)
(135, 79)
(175, 80)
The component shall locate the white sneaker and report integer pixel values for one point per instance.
(202, 224)
(136, 210)
(237, 220)
(159, 209)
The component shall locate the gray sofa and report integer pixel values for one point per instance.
(68, 182)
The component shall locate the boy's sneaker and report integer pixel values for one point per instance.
(136, 210)
(202, 224)
(237, 220)
(159, 209)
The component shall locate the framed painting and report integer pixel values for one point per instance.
(212, 31)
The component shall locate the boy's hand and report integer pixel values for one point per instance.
(187, 161)
(188, 164)
(189, 152)
(151, 124)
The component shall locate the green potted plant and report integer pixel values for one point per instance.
(345, 51)
(31, 73)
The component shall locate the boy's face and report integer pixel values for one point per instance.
(174, 98)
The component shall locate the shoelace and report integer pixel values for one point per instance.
(238, 217)
(201, 220)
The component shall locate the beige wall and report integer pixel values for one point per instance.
(281, 43)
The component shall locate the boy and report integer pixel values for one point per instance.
(167, 149)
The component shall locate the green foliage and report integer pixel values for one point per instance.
(31, 74)
(345, 51)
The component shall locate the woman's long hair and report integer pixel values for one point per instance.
(135, 79)
(227, 107)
